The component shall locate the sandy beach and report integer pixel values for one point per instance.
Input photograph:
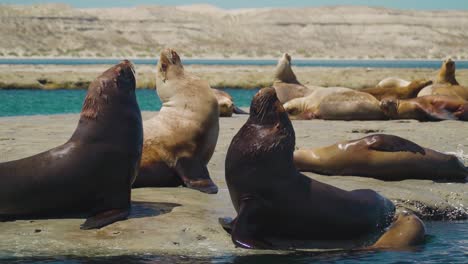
(244, 77)
(179, 221)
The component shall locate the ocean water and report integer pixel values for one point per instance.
(446, 242)
(46, 102)
(432, 64)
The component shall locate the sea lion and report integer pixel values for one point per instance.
(180, 140)
(285, 82)
(335, 103)
(273, 199)
(397, 88)
(426, 108)
(406, 231)
(93, 172)
(446, 83)
(383, 157)
(226, 104)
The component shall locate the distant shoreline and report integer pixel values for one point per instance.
(51, 77)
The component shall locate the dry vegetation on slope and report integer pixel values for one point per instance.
(207, 31)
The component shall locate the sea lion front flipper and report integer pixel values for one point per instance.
(226, 223)
(441, 114)
(105, 218)
(390, 143)
(244, 231)
(195, 175)
(239, 111)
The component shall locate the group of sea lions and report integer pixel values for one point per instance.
(112, 150)
(392, 98)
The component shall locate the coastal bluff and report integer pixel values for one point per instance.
(339, 32)
(179, 221)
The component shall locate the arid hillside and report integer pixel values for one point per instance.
(207, 31)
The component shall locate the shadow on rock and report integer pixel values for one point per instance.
(150, 209)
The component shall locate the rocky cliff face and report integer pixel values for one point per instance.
(207, 31)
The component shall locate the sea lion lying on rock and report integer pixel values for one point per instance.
(226, 104)
(397, 88)
(384, 157)
(426, 108)
(335, 103)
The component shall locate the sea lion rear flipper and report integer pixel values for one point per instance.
(105, 218)
(244, 229)
(441, 114)
(239, 111)
(390, 143)
(195, 175)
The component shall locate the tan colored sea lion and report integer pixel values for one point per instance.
(180, 140)
(426, 108)
(406, 231)
(335, 103)
(286, 84)
(446, 83)
(92, 173)
(397, 88)
(383, 157)
(226, 104)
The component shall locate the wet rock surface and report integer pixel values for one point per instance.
(180, 221)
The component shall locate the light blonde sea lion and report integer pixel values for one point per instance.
(397, 88)
(335, 103)
(383, 157)
(226, 104)
(426, 108)
(286, 84)
(180, 140)
(446, 83)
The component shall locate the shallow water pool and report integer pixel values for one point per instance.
(447, 242)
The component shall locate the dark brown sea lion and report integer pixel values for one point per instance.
(273, 199)
(426, 108)
(397, 88)
(93, 172)
(380, 156)
(226, 104)
(180, 140)
(286, 84)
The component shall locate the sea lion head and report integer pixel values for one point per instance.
(447, 72)
(168, 71)
(113, 87)
(297, 109)
(267, 109)
(390, 107)
(283, 71)
(225, 103)
(267, 137)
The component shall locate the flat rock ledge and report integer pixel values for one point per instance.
(183, 222)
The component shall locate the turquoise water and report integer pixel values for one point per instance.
(433, 64)
(447, 242)
(44, 102)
